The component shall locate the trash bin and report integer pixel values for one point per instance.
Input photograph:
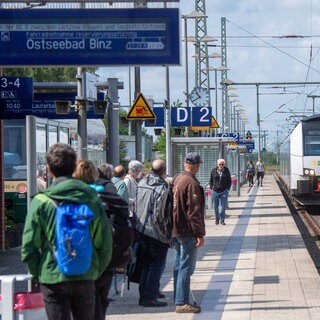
(234, 182)
(21, 305)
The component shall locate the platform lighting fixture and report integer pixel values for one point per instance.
(216, 69)
(192, 15)
(214, 55)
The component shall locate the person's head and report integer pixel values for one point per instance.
(119, 171)
(134, 168)
(158, 167)
(105, 171)
(86, 171)
(220, 163)
(61, 160)
(192, 162)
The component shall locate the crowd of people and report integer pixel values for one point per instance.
(85, 296)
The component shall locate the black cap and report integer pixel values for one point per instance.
(193, 158)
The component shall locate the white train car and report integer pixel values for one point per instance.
(300, 161)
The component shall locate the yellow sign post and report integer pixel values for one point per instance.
(141, 109)
(214, 123)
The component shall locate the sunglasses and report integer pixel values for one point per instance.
(221, 164)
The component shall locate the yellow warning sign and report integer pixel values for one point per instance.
(214, 123)
(199, 128)
(141, 109)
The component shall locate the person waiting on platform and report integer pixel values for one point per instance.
(220, 183)
(260, 171)
(250, 172)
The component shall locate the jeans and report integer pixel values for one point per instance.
(153, 264)
(62, 299)
(220, 201)
(185, 263)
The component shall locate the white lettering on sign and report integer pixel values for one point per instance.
(55, 44)
(100, 44)
(182, 114)
(204, 118)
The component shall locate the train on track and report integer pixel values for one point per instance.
(48, 132)
(300, 162)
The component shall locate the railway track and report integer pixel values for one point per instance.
(308, 223)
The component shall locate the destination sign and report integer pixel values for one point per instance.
(89, 37)
(43, 106)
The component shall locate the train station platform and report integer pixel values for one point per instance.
(256, 267)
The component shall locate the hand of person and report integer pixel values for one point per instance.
(200, 242)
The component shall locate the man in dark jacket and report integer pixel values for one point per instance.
(220, 183)
(154, 248)
(188, 230)
(64, 294)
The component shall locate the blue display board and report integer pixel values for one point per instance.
(43, 106)
(195, 116)
(90, 37)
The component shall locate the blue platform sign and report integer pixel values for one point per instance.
(89, 37)
(195, 116)
(159, 121)
(16, 88)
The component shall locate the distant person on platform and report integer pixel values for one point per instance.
(119, 173)
(260, 170)
(220, 184)
(41, 182)
(134, 173)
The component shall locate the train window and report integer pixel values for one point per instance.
(312, 145)
(64, 135)
(53, 135)
(41, 144)
(14, 149)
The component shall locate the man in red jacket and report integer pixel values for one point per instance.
(188, 230)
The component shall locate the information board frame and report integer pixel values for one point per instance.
(89, 37)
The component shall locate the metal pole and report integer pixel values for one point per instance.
(187, 67)
(138, 124)
(239, 175)
(216, 90)
(31, 138)
(82, 118)
(113, 122)
(167, 106)
(258, 121)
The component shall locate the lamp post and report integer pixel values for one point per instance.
(192, 15)
(228, 82)
(216, 69)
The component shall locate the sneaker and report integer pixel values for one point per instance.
(152, 303)
(223, 223)
(188, 308)
(217, 221)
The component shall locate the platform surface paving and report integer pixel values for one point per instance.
(256, 267)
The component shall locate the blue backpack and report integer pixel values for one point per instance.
(73, 238)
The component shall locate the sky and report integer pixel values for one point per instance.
(267, 42)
